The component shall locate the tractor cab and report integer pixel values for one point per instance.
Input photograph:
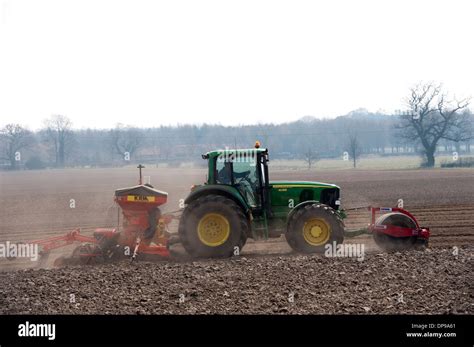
(243, 170)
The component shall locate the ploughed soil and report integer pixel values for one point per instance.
(267, 277)
(432, 281)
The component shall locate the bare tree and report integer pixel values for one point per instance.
(58, 132)
(432, 116)
(353, 147)
(462, 129)
(125, 140)
(14, 138)
(311, 157)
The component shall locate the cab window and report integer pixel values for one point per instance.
(240, 173)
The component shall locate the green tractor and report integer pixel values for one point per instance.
(238, 201)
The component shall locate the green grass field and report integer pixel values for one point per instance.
(370, 162)
(364, 163)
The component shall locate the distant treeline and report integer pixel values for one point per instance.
(375, 133)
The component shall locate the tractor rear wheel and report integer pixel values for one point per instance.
(213, 226)
(393, 244)
(313, 226)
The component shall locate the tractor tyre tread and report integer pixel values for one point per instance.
(298, 244)
(202, 252)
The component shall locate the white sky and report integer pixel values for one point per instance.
(148, 63)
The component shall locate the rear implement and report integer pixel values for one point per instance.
(143, 231)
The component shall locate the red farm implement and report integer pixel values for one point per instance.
(143, 231)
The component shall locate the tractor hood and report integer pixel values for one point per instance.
(301, 184)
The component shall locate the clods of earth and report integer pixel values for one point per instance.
(434, 281)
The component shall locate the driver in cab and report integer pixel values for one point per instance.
(242, 181)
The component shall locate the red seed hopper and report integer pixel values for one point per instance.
(143, 231)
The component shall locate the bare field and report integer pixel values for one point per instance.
(38, 204)
(430, 282)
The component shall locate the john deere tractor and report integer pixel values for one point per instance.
(238, 201)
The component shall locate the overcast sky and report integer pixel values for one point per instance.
(148, 63)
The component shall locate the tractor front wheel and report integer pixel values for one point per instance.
(213, 226)
(313, 226)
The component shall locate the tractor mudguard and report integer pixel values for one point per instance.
(340, 213)
(301, 204)
(224, 190)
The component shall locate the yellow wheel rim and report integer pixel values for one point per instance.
(213, 229)
(316, 231)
